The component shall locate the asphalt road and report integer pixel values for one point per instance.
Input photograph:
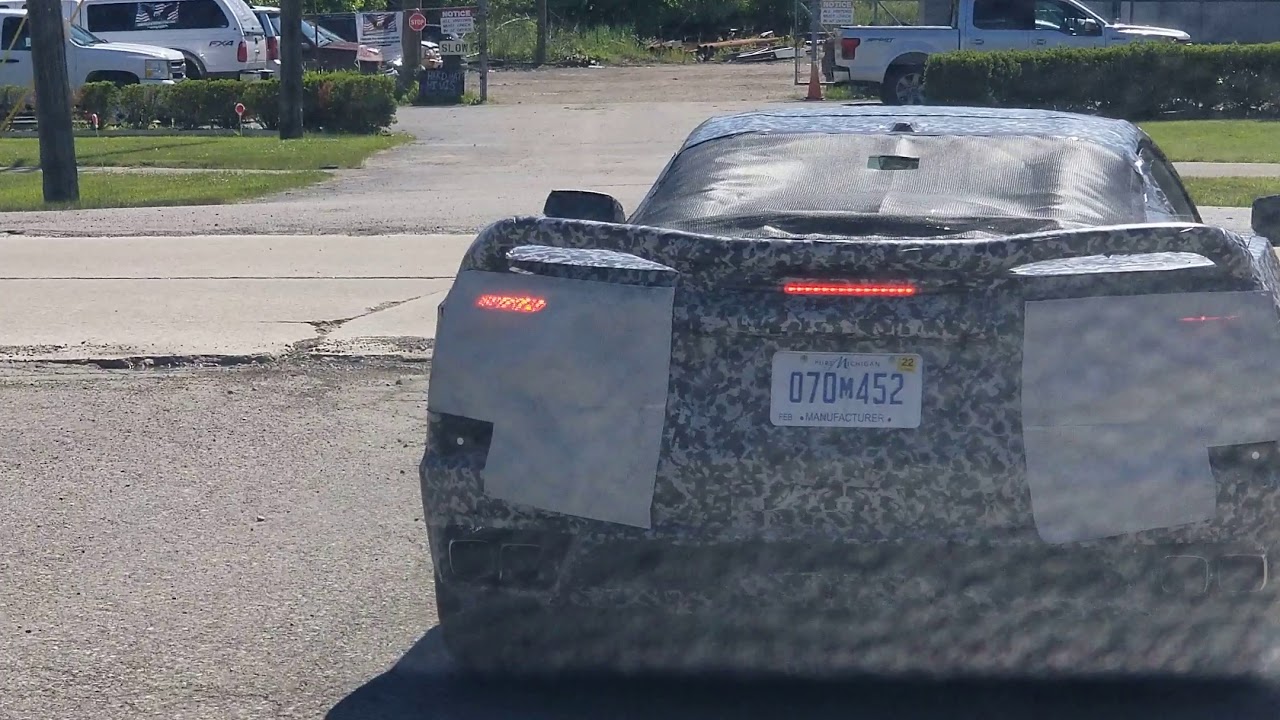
(247, 543)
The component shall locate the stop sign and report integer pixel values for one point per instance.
(417, 21)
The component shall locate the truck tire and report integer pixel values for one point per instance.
(903, 85)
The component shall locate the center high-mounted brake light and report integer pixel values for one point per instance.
(850, 289)
(1207, 318)
(511, 303)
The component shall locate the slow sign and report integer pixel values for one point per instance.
(453, 47)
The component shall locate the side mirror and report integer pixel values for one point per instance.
(1265, 218)
(583, 205)
(1089, 26)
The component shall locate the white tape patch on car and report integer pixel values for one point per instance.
(1123, 396)
(576, 391)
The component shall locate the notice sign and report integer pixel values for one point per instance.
(836, 12)
(457, 21)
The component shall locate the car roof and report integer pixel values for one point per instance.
(6, 12)
(1118, 135)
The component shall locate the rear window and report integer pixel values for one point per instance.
(140, 16)
(779, 184)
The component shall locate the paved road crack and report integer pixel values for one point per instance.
(324, 327)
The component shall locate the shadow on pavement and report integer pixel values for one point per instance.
(423, 686)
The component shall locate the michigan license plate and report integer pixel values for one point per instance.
(846, 390)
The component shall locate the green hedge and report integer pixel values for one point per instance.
(332, 102)
(1135, 82)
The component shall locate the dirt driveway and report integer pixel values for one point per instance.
(695, 82)
(608, 129)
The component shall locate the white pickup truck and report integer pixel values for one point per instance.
(893, 57)
(89, 58)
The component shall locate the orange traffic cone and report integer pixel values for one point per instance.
(815, 84)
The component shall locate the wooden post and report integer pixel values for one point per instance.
(290, 69)
(482, 9)
(410, 45)
(53, 101)
(540, 52)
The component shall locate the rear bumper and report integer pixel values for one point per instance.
(826, 608)
(940, 639)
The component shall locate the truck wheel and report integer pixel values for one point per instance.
(903, 85)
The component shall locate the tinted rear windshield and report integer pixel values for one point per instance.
(759, 184)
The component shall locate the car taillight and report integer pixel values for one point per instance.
(895, 289)
(273, 49)
(511, 303)
(849, 47)
(242, 52)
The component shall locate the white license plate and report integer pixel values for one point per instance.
(846, 390)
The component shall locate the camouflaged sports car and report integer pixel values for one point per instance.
(945, 390)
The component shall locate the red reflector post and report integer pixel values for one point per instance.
(511, 303)
(849, 289)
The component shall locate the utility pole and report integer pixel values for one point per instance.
(53, 101)
(290, 69)
(540, 53)
(410, 45)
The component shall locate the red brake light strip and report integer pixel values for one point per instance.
(850, 289)
(511, 303)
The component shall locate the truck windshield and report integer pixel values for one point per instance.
(83, 37)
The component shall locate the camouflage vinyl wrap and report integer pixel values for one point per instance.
(819, 550)
(760, 530)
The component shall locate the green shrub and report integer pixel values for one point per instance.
(11, 96)
(1136, 82)
(141, 105)
(262, 102)
(98, 98)
(349, 102)
(199, 103)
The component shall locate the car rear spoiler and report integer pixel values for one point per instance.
(748, 259)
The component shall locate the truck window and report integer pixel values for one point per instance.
(1060, 16)
(110, 17)
(201, 15)
(1004, 14)
(15, 28)
(178, 15)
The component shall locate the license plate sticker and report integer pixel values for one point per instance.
(846, 390)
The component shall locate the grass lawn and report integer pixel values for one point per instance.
(23, 191)
(313, 152)
(1230, 191)
(1217, 140)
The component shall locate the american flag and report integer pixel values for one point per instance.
(156, 15)
(379, 29)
